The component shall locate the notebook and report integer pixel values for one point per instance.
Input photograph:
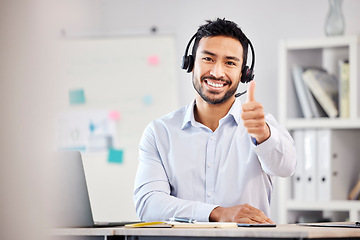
(332, 224)
(172, 224)
(68, 198)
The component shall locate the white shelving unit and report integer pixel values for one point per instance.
(325, 53)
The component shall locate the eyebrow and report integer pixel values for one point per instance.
(227, 57)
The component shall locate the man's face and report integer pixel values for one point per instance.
(217, 68)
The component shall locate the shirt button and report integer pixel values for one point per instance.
(209, 194)
(209, 164)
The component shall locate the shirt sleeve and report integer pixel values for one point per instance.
(152, 190)
(277, 154)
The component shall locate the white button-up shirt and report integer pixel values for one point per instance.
(186, 170)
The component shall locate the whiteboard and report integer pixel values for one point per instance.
(133, 76)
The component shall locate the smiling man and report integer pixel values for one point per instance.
(215, 159)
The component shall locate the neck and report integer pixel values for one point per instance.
(210, 114)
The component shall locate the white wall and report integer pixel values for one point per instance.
(26, 78)
(264, 22)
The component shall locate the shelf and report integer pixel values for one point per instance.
(319, 52)
(335, 205)
(328, 42)
(323, 53)
(336, 123)
(352, 207)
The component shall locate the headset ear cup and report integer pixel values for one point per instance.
(244, 74)
(247, 75)
(185, 62)
(190, 63)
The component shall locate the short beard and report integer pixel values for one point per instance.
(209, 100)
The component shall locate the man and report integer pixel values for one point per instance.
(215, 159)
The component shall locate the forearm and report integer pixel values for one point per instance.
(277, 154)
(160, 206)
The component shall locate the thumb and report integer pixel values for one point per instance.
(251, 92)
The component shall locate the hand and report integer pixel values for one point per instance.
(240, 214)
(254, 117)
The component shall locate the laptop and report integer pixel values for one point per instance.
(68, 197)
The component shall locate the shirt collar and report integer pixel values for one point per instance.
(189, 119)
(236, 110)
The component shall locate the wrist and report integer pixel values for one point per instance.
(215, 215)
(265, 136)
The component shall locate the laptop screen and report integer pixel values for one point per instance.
(69, 203)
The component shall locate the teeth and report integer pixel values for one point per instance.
(215, 84)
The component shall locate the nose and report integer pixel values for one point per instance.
(217, 70)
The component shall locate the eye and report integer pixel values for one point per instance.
(231, 63)
(207, 59)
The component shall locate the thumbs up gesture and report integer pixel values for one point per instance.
(254, 117)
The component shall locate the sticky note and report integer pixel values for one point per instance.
(147, 99)
(76, 96)
(114, 115)
(92, 127)
(115, 155)
(153, 60)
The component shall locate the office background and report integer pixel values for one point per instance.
(29, 78)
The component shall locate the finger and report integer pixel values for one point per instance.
(256, 115)
(246, 220)
(258, 219)
(251, 106)
(251, 92)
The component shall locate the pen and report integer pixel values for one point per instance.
(183, 220)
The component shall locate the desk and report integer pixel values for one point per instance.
(288, 231)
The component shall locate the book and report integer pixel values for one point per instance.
(344, 88)
(355, 192)
(324, 87)
(148, 225)
(307, 102)
(171, 224)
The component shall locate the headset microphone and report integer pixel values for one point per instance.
(240, 94)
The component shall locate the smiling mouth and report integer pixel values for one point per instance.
(216, 83)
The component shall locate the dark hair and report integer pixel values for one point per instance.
(222, 27)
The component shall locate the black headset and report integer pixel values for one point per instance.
(247, 73)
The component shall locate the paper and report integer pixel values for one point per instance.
(148, 100)
(86, 131)
(153, 60)
(149, 225)
(115, 155)
(114, 115)
(76, 96)
(183, 225)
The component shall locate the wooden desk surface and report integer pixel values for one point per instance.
(281, 231)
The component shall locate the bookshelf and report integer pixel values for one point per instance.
(324, 53)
